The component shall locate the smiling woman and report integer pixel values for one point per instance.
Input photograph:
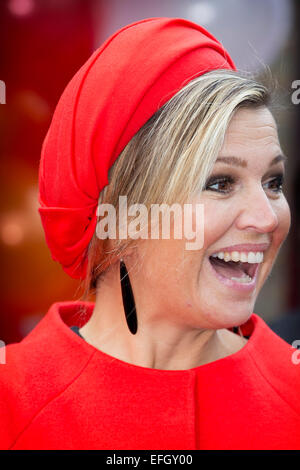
(170, 355)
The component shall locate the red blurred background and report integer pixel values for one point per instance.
(43, 43)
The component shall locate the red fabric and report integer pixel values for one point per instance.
(59, 392)
(124, 82)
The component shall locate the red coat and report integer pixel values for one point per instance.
(59, 392)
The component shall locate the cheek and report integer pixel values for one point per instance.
(165, 264)
(284, 221)
(217, 221)
(283, 213)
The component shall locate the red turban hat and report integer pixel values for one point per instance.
(124, 82)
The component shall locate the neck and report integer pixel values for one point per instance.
(159, 343)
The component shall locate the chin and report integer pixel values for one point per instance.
(228, 314)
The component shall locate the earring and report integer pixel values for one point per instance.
(128, 299)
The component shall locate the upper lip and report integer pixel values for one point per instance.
(246, 247)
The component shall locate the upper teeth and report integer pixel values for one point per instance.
(250, 257)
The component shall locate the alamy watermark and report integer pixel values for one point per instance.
(2, 92)
(2, 352)
(296, 93)
(176, 221)
(296, 354)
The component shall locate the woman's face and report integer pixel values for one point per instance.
(243, 204)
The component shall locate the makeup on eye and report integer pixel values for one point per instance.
(279, 180)
(219, 179)
(223, 179)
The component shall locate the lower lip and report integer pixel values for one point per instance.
(247, 287)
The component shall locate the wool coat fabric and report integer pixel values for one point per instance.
(59, 392)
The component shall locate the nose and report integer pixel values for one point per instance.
(258, 212)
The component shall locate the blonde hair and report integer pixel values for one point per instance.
(169, 159)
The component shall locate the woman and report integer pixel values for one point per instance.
(170, 355)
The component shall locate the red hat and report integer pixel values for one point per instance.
(124, 82)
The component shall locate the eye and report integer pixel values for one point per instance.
(275, 184)
(220, 184)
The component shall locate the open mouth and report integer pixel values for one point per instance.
(234, 270)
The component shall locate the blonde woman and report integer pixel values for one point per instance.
(170, 355)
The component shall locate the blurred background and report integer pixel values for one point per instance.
(42, 44)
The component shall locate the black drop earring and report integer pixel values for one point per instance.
(128, 299)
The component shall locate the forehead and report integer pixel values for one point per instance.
(251, 129)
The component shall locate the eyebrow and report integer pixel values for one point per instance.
(236, 161)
